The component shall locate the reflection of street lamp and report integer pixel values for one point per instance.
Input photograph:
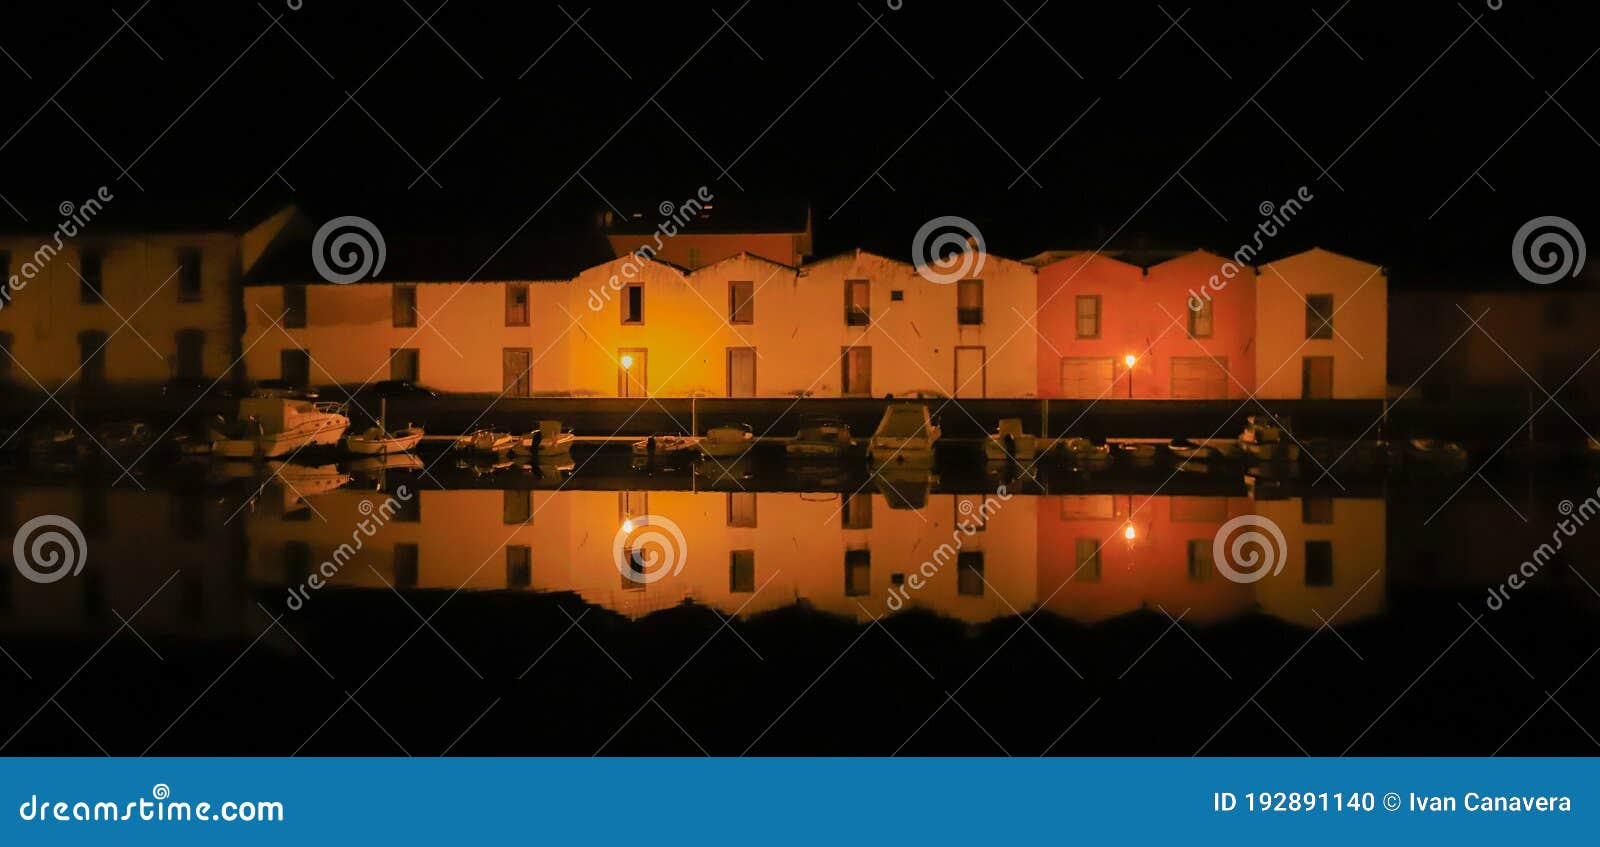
(1130, 360)
(1129, 533)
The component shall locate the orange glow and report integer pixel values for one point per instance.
(1129, 532)
(1130, 360)
(627, 362)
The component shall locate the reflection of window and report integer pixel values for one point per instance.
(1087, 552)
(1087, 507)
(741, 509)
(857, 573)
(410, 510)
(857, 302)
(631, 504)
(1317, 510)
(1201, 561)
(857, 511)
(519, 566)
(1088, 306)
(1319, 316)
(969, 574)
(188, 275)
(969, 302)
(1319, 563)
(294, 306)
(633, 576)
(516, 506)
(741, 571)
(405, 565)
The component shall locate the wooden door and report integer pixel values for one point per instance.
(1316, 377)
(971, 372)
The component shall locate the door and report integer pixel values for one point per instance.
(515, 362)
(294, 367)
(971, 372)
(856, 363)
(741, 371)
(1316, 377)
(1199, 378)
(405, 363)
(1086, 377)
(633, 372)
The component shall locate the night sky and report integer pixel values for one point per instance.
(1134, 132)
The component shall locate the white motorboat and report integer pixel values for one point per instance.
(665, 445)
(820, 440)
(905, 436)
(727, 442)
(270, 427)
(547, 442)
(1139, 452)
(308, 480)
(377, 441)
(1008, 441)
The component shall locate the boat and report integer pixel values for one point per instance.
(377, 441)
(730, 441)
(1009, 442)
(664, 445)
(126, 438)
(1085, 454)
(487, 441)
(548, 441)
(375, 464)
(308, 480)
(905, 487)
(820, 439)
(905, 436)
(1434, 453)
(1265, 442)
(53, 439)
(1139, 452)
(270, 427)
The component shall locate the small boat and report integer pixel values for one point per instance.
(375, 464)
(1436, 454)
(820, 439)
(376, 441)
(127, 438)
(308, 480)
(1085, 454)
(1140, 453)
(905, 436)
(53, 439)
(270, 427)
(664, 445)
(729, 441)
(487, 441)
(548, 441)
(1265, 442)
(1009, 442)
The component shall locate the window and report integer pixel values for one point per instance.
(1316, 510)
(969, 302)
(896, 295)
(517, 304)
(91, 287)
(1202, 564)
(857, 573)
(857, 302)
(1319, 563)
(405, 565)
(969, 573)
(516, 506)
(519, 566)
(188, 275)
(1201, 319)
(405, 363)
(1087, 552)
(857, 511)
(741, 571)
(405, 305)
(857, 366)
(741, 509)
(92, 357)
(294, 367)
(191, 354)
(741, 302)
(633, 304)
(1319, 316)
(1088, 316)
(294, 306)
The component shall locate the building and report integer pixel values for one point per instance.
(1322, 328)
(697, 233)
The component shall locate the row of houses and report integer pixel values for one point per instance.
(708, 315)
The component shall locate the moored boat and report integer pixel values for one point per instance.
(820, 440)
(548, 441)
(1008, 441)
(729, 441)
(377, 442)
(270, 427)
(664, 445)
(905, 436)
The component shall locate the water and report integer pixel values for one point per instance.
(485, 612)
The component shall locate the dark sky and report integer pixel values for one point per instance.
(516, 113)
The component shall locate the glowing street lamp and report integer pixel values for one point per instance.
(1130, 360)
(627, 361)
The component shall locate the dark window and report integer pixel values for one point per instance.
(405, 305)
(1319, 563)
(191, 354)
(1201, 320)
(1316, 510)
(742, 302)
(517, 304)
(741, 571)
(1201, 561)
(294, 306)
(405, 566)
(405, 363)
(857, 573)
(92, 355)
(969, 574)
(1319, 316)
(1088, 558)
(741, 509)
(519, 566)
(188, 274)
(896, 295)
(91, 287)
(857, 302)
(1088, 306)
(857, 511)
(516, 505)
(969, 302)
(633, 304)
(294, 367)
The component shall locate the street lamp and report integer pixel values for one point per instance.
(627, 361)
(1130, 360)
